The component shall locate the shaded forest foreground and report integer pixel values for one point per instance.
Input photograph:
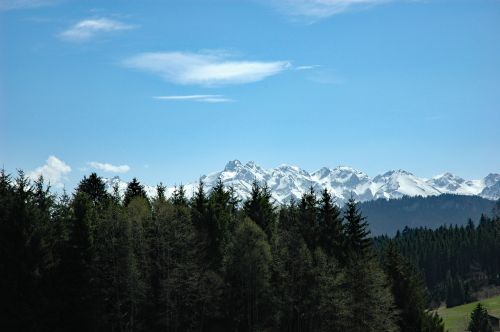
(95, 261)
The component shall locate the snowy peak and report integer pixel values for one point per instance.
(447, 182)
(232, 166)
(288, 182)
(396, 184)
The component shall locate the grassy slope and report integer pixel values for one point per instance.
(457, 318)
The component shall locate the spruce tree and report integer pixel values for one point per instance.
(76, 268)
(219, 220)
(479, 321)
(356, 228)
(406, 289)
(308, 209)
(160, 192)
(134, 189)
(331, 237)
(247, 267)
(95, 188)
(179, 196)
(260, 209)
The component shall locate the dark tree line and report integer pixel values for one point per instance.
(387, 216)
(96, 261)
(455, 261)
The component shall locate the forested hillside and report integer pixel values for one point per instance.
(91, 261)
(455, 261)
(388, 216)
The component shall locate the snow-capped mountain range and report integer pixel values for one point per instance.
(290, 182)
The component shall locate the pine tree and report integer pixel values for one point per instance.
(479, 321)
(179, 196)
(115, 268)
(331, 237)
(219, 220)
(260, 209)
(248, 273)
(199, 207)
(308, 209)
(370, 301)
(356, 228)
(95, 188)
(330, 310)
(20, 255)
(134, 189)
(432, 322)
(75, 270)
(406, 289)
(160, 192)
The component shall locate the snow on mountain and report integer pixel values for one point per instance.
(396, 184)
(291, 182)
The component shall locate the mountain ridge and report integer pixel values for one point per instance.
(287, 182)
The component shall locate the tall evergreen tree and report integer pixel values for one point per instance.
(331, 237)
(407, 290)
(308, 209)
(479, 321)
(260, 208)
(248, 273)
(356, 228)
(95, 188)
(115, 269)
(134, 189)
(179, 196)
(219, 221)
(160, 192)
(75, 271)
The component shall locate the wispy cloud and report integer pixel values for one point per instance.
(90, 28)
(307, 67)
(318, 9)
(198, 98)
(106, 167)
(207, 69)
(25, 4)
(54, 171)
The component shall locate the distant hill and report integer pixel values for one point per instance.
(388, 216)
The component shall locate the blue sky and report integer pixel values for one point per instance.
(170, 90)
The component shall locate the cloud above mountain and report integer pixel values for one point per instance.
(107, 167)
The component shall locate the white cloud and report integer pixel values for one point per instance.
(307, 67)
(198, 98)
(318, 9)
(25, 4)
(106, 167)
(88, 29)
(54, 171)
(207, 68)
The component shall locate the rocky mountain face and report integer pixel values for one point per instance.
(290, 182)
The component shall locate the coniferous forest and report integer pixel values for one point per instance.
(95, 261)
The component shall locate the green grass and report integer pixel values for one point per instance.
(457, 318)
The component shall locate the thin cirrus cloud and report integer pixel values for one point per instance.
(88, 29)
(197, 98)
(319, 9)
(54, 171)
(212, 68)
(106, 167)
